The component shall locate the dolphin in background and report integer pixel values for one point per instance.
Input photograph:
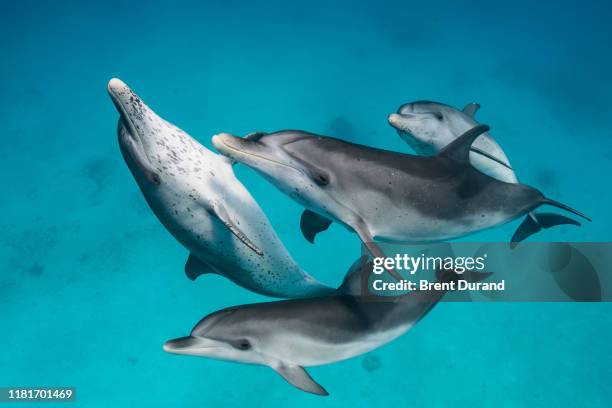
(197, 197)
(429, 127)
(292, 334)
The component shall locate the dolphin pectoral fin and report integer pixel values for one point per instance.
(299, 378)
(535, 222)
(195, 267)
(459, 149)
(221, 213)
(471, 108)
(312, 223)
(374, 249)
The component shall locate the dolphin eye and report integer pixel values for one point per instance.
(243, 344)
(321, 179)
(438, 115)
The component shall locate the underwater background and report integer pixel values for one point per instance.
(92, 285)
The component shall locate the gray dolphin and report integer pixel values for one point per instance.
(384, 195)
(292, 334)
(199, 200)
(428, 127)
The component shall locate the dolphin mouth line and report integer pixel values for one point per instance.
(392, 119)
(189, 349)
(261, 157)
(127, 122)
(180, 351)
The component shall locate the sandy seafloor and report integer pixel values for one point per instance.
(91, 284)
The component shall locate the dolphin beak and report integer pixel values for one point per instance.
(230, 145)
(394, 119)
(404, 121)
(116, 88)
(120, 93)
(131, 111)
(115, 85)
(191, 345)
(220, 139)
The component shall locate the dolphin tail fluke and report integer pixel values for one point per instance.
(535, 222)
(557, 204)
(299, 378)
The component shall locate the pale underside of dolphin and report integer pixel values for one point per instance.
(429, 127)
(382, 195)
(292, 334)
(197, 197)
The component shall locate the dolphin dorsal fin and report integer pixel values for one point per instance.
(459, 149)
(299, 378)
(255, 136)
(471, 108)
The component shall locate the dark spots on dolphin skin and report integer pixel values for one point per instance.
(341, 127)
(371, 363)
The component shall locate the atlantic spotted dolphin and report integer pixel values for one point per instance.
(199, 200)
(384, 195)
(292, 334)
(428, 127)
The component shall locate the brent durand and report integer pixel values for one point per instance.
(425, 285)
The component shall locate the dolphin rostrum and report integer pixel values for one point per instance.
(383, 195)
(428, 127)
(292, 334)
(199, 200)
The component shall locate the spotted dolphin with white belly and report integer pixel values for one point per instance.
(197, 197)
(428, 127)
(292, 334)
(383, 195)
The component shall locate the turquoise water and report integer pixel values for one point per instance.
(91, 284)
